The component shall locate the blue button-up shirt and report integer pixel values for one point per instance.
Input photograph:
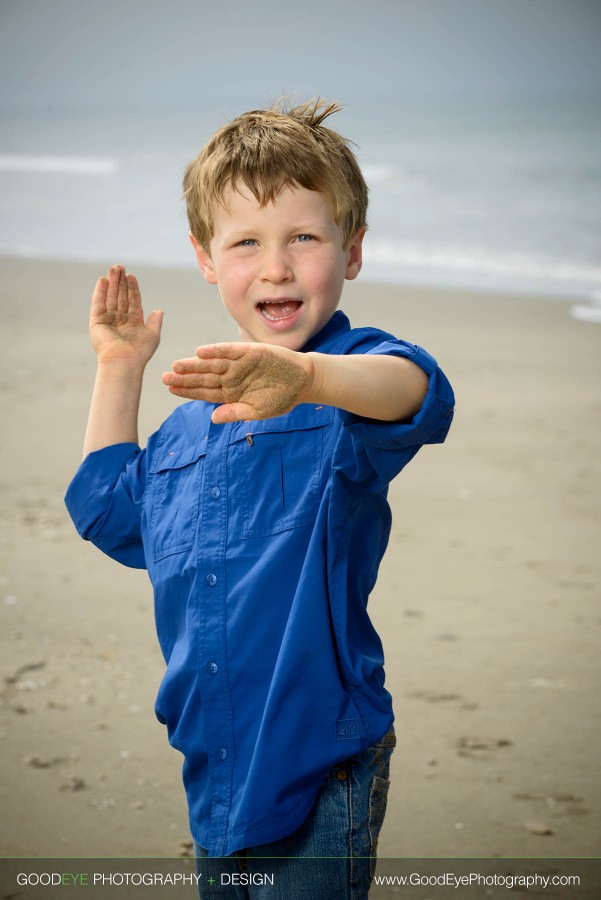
(262, 540)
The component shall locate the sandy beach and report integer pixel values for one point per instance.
(488, 598)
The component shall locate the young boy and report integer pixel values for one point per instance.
(260, 509)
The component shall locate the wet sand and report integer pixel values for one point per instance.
(488, 598)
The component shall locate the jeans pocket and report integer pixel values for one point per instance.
(378, 797)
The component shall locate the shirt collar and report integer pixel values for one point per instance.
(331, 331)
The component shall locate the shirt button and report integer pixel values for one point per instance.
(221, 754)
(211, 580)
(215, 492)
(212, 668)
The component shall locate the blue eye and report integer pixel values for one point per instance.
(247, 242)
(304, 238)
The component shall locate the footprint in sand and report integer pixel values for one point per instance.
(434, 696)
(556, 805)
(480, 747)
(442, 697)
(42, 762)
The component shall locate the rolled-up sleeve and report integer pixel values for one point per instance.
(389, 446)
(103, 501)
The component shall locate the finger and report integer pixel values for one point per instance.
(98, 307)
(233, 412)
(134, 298)
(193, 381)
(114, 276)
(200, 366)
(209, 395)
(223, 351)
(123, 293)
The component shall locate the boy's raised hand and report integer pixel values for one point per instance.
(251, 381)
(117, 326)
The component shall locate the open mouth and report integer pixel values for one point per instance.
(277, 310)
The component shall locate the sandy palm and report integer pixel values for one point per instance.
(252, 381)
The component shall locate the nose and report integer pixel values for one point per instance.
(276, 267)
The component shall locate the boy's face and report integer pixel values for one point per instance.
(281, 267)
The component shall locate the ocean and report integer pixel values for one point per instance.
(490, 196)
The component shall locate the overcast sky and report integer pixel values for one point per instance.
(150, 55)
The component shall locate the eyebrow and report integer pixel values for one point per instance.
(300, 228)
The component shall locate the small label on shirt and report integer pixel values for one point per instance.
(347, 729)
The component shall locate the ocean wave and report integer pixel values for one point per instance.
(399, 254)
(63, 165)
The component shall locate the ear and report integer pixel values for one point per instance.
(354, 258)
(204, 261)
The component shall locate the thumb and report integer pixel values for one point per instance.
(155, 322)
(232, 412)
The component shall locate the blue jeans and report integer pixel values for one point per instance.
(331, 856)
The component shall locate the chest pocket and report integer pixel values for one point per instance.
(173, 495)
(281, 463)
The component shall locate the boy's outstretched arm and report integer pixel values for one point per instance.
(124, 343)
(258, 381)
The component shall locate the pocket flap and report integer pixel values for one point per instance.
(302, 418)
(175, 458)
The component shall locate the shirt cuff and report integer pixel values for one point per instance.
(432, 421)
(94, 480)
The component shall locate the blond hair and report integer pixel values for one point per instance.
(269, 149)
